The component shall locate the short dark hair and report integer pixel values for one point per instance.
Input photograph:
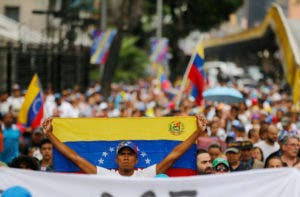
(25, 160)
(45, 141)
(272, 157)
(201, 151)
(215, 145)
(250, 133)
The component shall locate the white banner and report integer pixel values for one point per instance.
(269, 182)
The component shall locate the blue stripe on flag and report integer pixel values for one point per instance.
(34, 108)
(106, 45)
(103, 153)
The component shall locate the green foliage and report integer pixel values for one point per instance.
(185, 16)
(132, 61)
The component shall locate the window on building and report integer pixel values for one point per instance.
(12, 12)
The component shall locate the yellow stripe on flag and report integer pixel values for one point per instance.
(101, 45)
(93, 129)
(31, 93)
(200, 50)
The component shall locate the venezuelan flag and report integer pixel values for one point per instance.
(159, 50)
(101, 45)
(196, 75)
(165, 84)
(96, 140)
(32, 110)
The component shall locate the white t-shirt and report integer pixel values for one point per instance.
(146, 172)
(266, 148)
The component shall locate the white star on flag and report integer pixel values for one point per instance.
(147, 161)
(101, 161)
(104, 154)
(143, 154)
(111, 149)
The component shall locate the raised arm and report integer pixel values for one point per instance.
(180, 149)
(83, 164)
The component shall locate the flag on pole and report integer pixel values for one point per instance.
(32, 110)
(164, 82)
(194, 77)
(101, 45)
(96, 140)
(159, 50)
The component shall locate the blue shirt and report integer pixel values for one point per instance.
(10, 144)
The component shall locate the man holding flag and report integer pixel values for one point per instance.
(126, 157)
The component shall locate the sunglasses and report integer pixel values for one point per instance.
(221, 168)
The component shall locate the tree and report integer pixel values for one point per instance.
(185, 16)
(125, 15)
(189, 15)
(132, 61)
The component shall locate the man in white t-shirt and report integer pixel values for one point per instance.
(270, 144)
(126, 157)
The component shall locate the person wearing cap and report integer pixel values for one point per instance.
(285, 127)
(220, 166)
(16, 99)
(32, 145)
(126, 157)
(247, 160)
(270, 144)
(203, 162)
(233, 155)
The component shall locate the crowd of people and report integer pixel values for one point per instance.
(261, 132)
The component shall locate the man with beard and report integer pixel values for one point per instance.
(270, 144)
(203, 162)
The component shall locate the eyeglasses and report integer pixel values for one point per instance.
(221, 168)
(293, 145)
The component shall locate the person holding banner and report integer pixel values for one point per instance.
(126, 157)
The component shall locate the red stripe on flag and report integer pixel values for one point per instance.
(38, 119)
(175, 172)
(197, 79)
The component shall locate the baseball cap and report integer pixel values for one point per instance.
(233, 147)
(219, 161)
(285, 121)
(235, 123)
(246, 145)
(38, 130)
(103, 106)
(16, 87)
(127, 144)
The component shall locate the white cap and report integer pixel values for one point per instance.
(103, 106)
